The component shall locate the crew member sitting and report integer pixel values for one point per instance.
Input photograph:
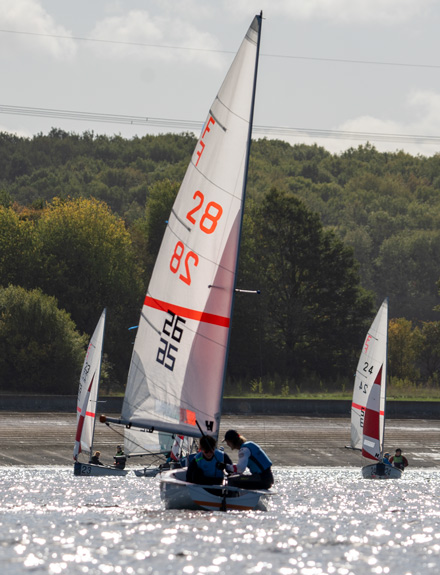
(95, 458)
(119, 458)
(207, 466)
(399, 460)
(251, 456)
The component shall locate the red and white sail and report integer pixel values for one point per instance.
(369, 394)
(88, 391)
(179, 357)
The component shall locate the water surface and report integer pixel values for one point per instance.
(322, 521)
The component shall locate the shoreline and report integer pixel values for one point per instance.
(47, 438)
(319, 408)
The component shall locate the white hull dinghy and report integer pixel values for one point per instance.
(178, 366)
(86, 406)
(177, 493)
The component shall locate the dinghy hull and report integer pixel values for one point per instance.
(91, 470)
(176, 493)
(381, 471)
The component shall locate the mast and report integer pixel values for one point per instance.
(385, 377)
(259, 19)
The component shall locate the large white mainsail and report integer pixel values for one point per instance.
(369, 394)
(177, 370)
(88, 391)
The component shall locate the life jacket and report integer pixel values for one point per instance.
(209, 468)
(258, 460)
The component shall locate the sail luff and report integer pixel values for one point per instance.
(245, 179)
(98, 374)
(384, 383)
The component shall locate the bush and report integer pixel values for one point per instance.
(40, 349)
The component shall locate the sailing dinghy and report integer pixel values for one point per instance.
(177, 371)
(86, 406)
(369, 399)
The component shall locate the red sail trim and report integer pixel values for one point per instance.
(368, 455)
(87, 413)
(357, 406)
(371, 424)
(378, 380)
(188, 313)
(362, 407)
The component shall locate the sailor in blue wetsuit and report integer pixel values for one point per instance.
(252, 457)
(206, 468)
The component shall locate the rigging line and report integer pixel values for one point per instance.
(195, 125)
(348, 61)
(147, 453)
(123, 42)
(217, 51)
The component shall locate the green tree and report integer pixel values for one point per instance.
(40, 349)
(407, 270)
(314, 306)
(148, 231)
(88, 263)
(17, 249)
(402, 346)
(427, 346)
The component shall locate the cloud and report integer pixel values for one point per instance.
(38, 30)
(338, 11)
(139, 35)
(414, 135)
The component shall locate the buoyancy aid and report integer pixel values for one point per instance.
(209, 467)
(258, 460)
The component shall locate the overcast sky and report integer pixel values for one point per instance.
(327, 67)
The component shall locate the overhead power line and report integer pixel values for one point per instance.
(188, 48)
(196, 126)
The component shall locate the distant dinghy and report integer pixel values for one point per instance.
(369, 399)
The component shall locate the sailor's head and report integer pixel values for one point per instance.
(233, 439)
(207, 445)
(386, 454)
(398, 451)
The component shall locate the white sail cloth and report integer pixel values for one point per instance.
(178, 364)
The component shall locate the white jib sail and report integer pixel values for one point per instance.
(177, 367)
(88, 391)
(370, 369)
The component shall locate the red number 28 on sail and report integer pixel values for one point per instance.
(208, 223)
(175, 262)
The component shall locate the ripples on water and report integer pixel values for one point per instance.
(322, 521)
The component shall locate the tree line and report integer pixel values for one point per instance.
(325, 239)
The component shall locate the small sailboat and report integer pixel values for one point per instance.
(369, 399)
(86, 406)
(176, 377)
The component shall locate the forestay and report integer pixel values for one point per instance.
(178, 364)
(368, 407)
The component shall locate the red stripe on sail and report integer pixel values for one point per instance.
(87, 413)
(188, 313)
(362, 407)
(357, 406)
